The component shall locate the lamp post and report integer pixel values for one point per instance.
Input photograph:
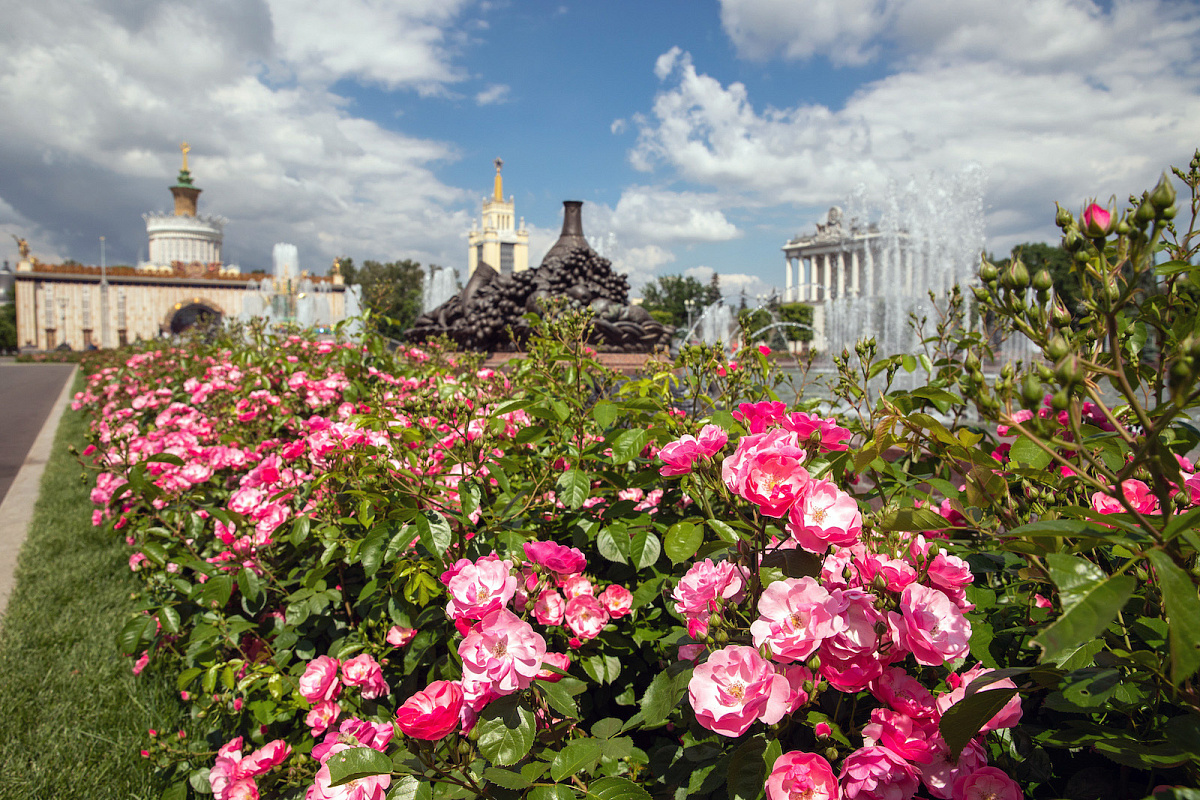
(103, 298)
(690, 305)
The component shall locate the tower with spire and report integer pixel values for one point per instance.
(185, 237)
(499, 242)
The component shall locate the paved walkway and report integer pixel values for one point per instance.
(32, 400)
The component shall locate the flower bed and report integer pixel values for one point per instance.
(405, 574)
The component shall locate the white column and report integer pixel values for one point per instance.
(854, 283)
(788, 286)
(827, 275)
(870, 271)
(841, 271)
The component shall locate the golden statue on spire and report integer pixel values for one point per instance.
(185, 149)
(498, 190)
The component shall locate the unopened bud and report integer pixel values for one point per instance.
(813, 663)
(981, 294)
(1032, 391)
(831, 755)
(1016, 277)
(1144, 212)
(1062, 217)
(1042, 280)
(1057, 347)
(1059, 314)
(988, 271)
(1069, 370)
(1060, 400)
(1072, 241)
(972, 361)
(1163, 195)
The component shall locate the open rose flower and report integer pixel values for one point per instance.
(398, 636)
(479, 588)
(320, 679)
(795, 616)
(617, 600)
(556, 558)
(549, 608)
(680, 456)
(735, 688)
(987, 783)
(876, 773)
(365, 672)
(502, 653)
(586, 616)
(802, 776)
(933, 627)
(825, 516)
(433, 712)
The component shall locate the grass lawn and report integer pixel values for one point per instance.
(73, 717)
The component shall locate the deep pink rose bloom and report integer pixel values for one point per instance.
(1006, 717)
(736, 687)
(941, 773)
(322, 715)
(876, 773)
(433, 712)
(480, 588)
(827, 432)
(556, 557)
(232, 776)
(757, 417)
(503, 652)
(365, 672)
(680, 457)
(560, 660)
(802, 776)
(320, 679)
(904, 693)
(1136, 492)
(549, 608)
(911, 739)
(795, 616)
(376, 735)
(697, 592)
(586, 617)
(825, 515)
(850, 659)
(398, 636)
(735, 469)
(264, 758)
(987, 783)
(934, 629)
(617, 600)
(950, 574)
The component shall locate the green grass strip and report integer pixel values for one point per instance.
(73, 717)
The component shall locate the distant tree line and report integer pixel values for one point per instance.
(392, 291)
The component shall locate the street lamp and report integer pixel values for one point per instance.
(690, 305)
(103, 298)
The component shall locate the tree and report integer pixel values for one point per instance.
(799, 314)
(392, 289)
(1038, 255)
(713, 293)
(670, 293)
(8, 327)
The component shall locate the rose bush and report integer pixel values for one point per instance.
(402, 574)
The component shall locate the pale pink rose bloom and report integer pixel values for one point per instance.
(243, 789)
(735, 468)
(775, 483)
(934, 629)
(680, 457)
(549, 608)
(704, 582)
(559, 660)
(850, 659)
(802, 776)
(502, 651)
(372, 787)
(1136, 492)
(830, 436)
(320, 679)
(941, 773)
(322, 715)
(479, 588)
(586, 617)
(987, 783)
(757, 417)
(364, 671)
(904, 693)
(1006, 717)
(617, 600)
(911, 739)
(556, 557)
(224, 772)
(876, 773)
(1024, 415)
(398, 636)
(736, 687)
(895, 573)
(136, 560)
(376, 735)
(825, 515)
(264, 758)
(795, 616)
(577, 585)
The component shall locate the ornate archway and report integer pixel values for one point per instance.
(190, 313)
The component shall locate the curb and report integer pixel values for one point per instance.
(16, 511)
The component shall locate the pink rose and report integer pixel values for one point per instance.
(479, 588)
(1097, 221)
(502, 653)
(141, 663)
(1136, 492)
(876, 773)
(735, 468)
(617, 600)
(796, 676)
(320, 679)
(556, 558)
(987, 783)
(559, 661)
(795, 616)
(941, 773)
(1006, 717)
(735, 688)
(550, 608)
(376, 735)
(904, 693)
(757, 417)
(365, 672)
(322, 715)
(825, 515)
(774, 482)
(372, 787)
(577, 585)
(433, 712)
(826, 432)
(586, 617)
(264, 758)
(934, 629)
(802, 776)
(679, 457)
(705, 581)
(398, 636)
(911, 739)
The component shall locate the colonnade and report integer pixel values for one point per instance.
(815, 273)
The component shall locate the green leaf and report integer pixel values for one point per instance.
(357, 762)
(663, 695)
(505, 731)
(169, 617)
(1183, 614)
(1028, 454)
(573, 487)
(406, 787)
(682, 541)
(616, 789)
(962, 721)
(506, 778)
(629, 445)
(1173, 268)
(606, 728)
(604, 412)
(137, 630)
(644, 549)
(579, 756)
(914, 519)
(215, 593)
(434, 532)
(613, 543)
(1089, 604)
(558, 697)
(724, 531)
(602, 669)
(747, 773)
(557, 792)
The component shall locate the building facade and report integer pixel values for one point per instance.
(498, 242)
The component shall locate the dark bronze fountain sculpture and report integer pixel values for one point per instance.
(491, 306)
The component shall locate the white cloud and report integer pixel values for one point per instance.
(657, 215)
(492, 95)
(735, 285)
(1099, 109)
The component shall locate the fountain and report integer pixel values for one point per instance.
(440, 285)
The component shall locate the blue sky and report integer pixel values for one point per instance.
(701, 135)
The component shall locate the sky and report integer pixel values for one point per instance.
(700, 134)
